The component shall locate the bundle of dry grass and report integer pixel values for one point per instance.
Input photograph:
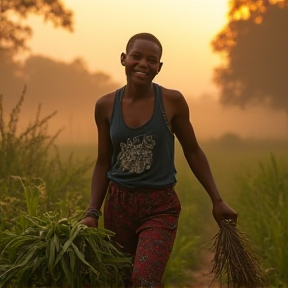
(235, 261)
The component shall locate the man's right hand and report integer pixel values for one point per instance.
(90, 222)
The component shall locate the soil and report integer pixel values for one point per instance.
(201, 277)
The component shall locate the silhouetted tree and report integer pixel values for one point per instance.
(69, 88)
(55, 84)
(64, 86)
(254, 44)
(10, 74)
(14, 33)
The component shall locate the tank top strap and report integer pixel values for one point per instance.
(116, 114)
(160, 104)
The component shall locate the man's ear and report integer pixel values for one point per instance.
(122, 58)
(160, 66)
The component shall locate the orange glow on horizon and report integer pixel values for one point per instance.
(102, 29)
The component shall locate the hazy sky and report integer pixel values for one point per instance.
(103, 27)
(185, 28)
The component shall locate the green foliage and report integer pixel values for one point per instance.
(48, 183)
(32, 194)
(53, 252)
(196, 224)
(263, 203)
(32, 155)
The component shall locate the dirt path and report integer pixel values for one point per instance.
(201, 278)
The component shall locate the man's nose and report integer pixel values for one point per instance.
(143, 62)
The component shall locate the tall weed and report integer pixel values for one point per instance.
(31, 154)
(263, 205)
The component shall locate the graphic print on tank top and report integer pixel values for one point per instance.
(137, 154)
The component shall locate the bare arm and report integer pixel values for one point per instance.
(100, 181)
(197, 159)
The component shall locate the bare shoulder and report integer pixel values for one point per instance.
(104, 107)
(171, 94)
(106, 100)
(174, 101)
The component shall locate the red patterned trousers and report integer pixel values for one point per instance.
(145, 222)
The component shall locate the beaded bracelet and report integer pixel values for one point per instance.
(93, 212)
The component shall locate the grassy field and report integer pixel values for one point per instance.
(38, 175)
(251, 175)
(232, 161)
(229, 161)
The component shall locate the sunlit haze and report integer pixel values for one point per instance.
(102, 29)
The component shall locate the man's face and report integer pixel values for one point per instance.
(142, 61)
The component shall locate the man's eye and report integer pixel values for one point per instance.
(135, 56)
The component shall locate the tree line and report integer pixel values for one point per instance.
(253, 45)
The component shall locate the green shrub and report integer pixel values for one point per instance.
(43, 250)
(32, 154)
(53, 252)
(263, 212)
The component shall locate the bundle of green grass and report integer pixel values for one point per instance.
(55, 253)
(236, 262)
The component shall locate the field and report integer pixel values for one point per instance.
(38, 175)
(233, 162)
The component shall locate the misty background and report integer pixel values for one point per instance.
(252, 79)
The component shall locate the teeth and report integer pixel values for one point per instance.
(141, 73)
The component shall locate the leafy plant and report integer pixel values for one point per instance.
(59, 253)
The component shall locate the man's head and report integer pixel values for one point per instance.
(143, 36)
(142, 58)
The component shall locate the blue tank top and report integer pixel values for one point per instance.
(143, 156)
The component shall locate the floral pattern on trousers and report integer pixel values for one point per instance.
(145, 224)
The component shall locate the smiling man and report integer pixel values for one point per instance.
(135, 170)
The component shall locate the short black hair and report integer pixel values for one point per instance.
(143, 36)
